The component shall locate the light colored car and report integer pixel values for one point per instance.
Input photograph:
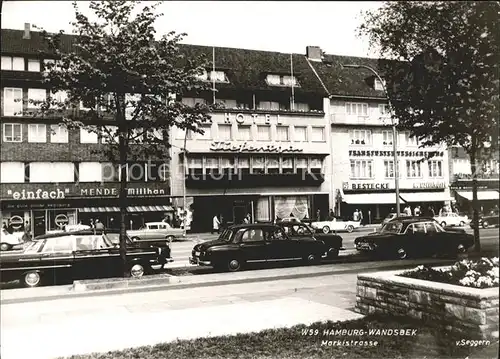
(155, 231)
(7, 240)
(336, 224)
(452, 219)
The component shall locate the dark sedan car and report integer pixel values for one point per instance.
(414, 237)
(488, 220)
(297, 230)
(77, 255)
(256, 242)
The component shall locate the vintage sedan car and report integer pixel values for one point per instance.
(412, 237)
(337, 224)
(333, 242)
(155, 231)
(489, 220)
(257, 242)
(77, 255)
(8, 241)
(452, 219)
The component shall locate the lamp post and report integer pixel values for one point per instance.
(184, 168)
(394, 131)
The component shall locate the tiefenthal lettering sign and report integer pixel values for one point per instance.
(245, 147)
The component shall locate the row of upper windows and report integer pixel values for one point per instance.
(364, 169)
(261, 105)
(42, 133)
(224, 132)
(68, 172)
(365, 138)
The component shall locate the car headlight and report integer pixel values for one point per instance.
(197, 253)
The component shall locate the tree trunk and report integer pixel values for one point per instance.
(475, 202)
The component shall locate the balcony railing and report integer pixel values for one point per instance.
(343, 119)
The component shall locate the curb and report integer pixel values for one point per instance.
(128, 285)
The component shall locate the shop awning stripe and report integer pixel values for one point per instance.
(129, 209)
(370, 198)
(414, 197)
(481, 195)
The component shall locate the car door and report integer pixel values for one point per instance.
(281, 246)
(253, 245)
(95, 258)
(415, 239)
(57, 257)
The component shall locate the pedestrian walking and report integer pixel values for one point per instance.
(417, 211)
(331, 215)
(215, 224)
(355, 215)
(98, 224)
(360, 214)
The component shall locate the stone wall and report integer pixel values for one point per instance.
(459, 310)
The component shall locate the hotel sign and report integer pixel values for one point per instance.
(218, 146)
(241, 118)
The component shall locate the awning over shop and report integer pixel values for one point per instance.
(481, 195)
(425, 197)
(370, 198)
(129, 209)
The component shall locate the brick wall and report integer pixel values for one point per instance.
(459, 310)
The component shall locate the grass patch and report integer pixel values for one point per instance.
(294, 344)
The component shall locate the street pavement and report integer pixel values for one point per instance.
(104, 322)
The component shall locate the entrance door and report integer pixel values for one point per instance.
(39, 225)
(239, 213)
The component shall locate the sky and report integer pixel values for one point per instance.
(288, 26)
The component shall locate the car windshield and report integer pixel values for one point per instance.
(392, 227)
(227, 235)
(34, 246)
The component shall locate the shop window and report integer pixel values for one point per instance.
(361, 169)
(16, 222)
(300, 133)
(195, 165)
(11, 172)
(283, 133)
(318, 134)
(10, 63)
(37, 133)
(12, 132)
(37, 95)
(273, 165)
(361, 137)
(227, 164)
(264, 133)
(244, 133)
(211, 163)
(301, 164)
(413, 169)
(224, 132)
(287, 165)
(258, 165)
(387, 138)
(243, 164)
(12, 101)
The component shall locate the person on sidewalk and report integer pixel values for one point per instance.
(360, 212)
(215, 225)
(355, 215)
(98, 224)
(417, 211)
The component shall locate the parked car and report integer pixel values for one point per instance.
(155, 231)
(77, 255)
(392, 216)
(409, 237)
(256, 242)
(452, 219)
(488, 220)
(8, 241)
(333, 242)
(336, 224)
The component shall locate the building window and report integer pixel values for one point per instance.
(136, 172)
(157, 172)
(136, 135)
(13, 101)
(90, 172)
(282, 80)
(12, 172)
(87, 136)
(52, 172)
(227, 163)
(361, 169)
(224, 133)
(301, 164)
(207, 133)
(181, 133)
(59, 96)
(269, 105)
(413, 169)
(242, 105)
(282, 133)
(302, 107)
(264, 133)
(258, 165)
(191, 102)
(12, 63)
(37, 133)
(435, 168)
(287, 165)
(318, 134)
(217, 76)
(389, 169)
(316, 165)
(195, 163)
(243, 164)
(58, 134)
(273, 164)
(212, 162)
(109, 134)
(37, 95)
(244, 133)
(379, 86)
(383, 109)
(300, 133)
(361, 137)
(387, 137)
(110, 172)
(33, 65)
(411, 141)
(12, 132)
(359, 109)
(131, 102)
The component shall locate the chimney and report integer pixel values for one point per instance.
(27, 28)
(314, 53)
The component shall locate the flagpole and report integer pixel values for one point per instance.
(293, 94)
(213, 72)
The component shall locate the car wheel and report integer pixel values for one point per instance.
(136, 271)
(402, 253)
(332, 253)
(350, 228)
(326, 229)
(170, 238)
(312, 259)
(5, 247)
(135, 239)
(31, 279)
(233, 265)
(485, 224)
(443, 224)
(462, 223)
